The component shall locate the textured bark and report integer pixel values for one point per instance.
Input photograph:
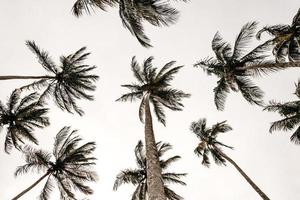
(254, 186)
(273, 65)
(154, 178)
(30, 187)
(23, 77)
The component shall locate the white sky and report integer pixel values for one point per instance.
(272, 161)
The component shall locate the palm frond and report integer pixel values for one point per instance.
(252, 93)
(257, 54)
(243, 39)
(199, 127)
(78, 185)
(132, 96)
(220, 93)
(140, 155)
(295, 138)
(159, 112)
(285, 124)
(164, 69)
(8, 144)
(222, 49)
(296, 19)
(43, 57)
(36, 161)
(47, 189)
(284, 109)
(13, 100)
(136, 69)
(61, 137)
(219, 160)
(272, 30)
(220, 127)
(173, 178)
(133, 23)
(127, 176)
(205, 158)
(65, 188)
(171, 195)
(157, 13)
(167, 76)
(142, 108)
(148, 70)
(81, 6)
(166, 163)
(140, 192)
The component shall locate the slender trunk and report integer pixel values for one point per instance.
(24, 77)
(30, 187)
(254, 186)
(272, 65)
(154, 178)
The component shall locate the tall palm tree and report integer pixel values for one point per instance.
(285, 39)
(70, 167)
(210, 145)
(153, 87)
(138, 177)
(20, 117)
(133, 13)
(290, 111)
(68, 82)
(229, 66)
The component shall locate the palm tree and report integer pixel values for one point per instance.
(133, 13)
(70, 168)
(290, 112)
(138, 176)
(210, 145)
(230, 67)
(285, 38)
(153, 87)
(68, 82)
(20, 117)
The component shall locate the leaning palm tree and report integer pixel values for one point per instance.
(133, 13)
(20, 117)
(230, 67)
(138, 177)
(210, 145)
(153, 87)
(290, 112)
(67, 82)
(70, 167)
(285, 39)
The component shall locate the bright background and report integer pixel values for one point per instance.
(272, 161)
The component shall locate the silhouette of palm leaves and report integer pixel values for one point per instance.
(138, 177)
(67, 82)
(20, 117)
(69, 165)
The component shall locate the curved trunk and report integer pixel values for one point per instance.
(254, 186)
(24, 77)
(272, 65)
(30, 187)
(154, 178)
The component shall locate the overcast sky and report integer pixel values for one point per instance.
(271, 160)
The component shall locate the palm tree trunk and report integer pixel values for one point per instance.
(24, 77)
(272, 65)
(254, 186)
(30, 187)
(154, 178)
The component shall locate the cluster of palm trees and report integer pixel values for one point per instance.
(69, 166)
